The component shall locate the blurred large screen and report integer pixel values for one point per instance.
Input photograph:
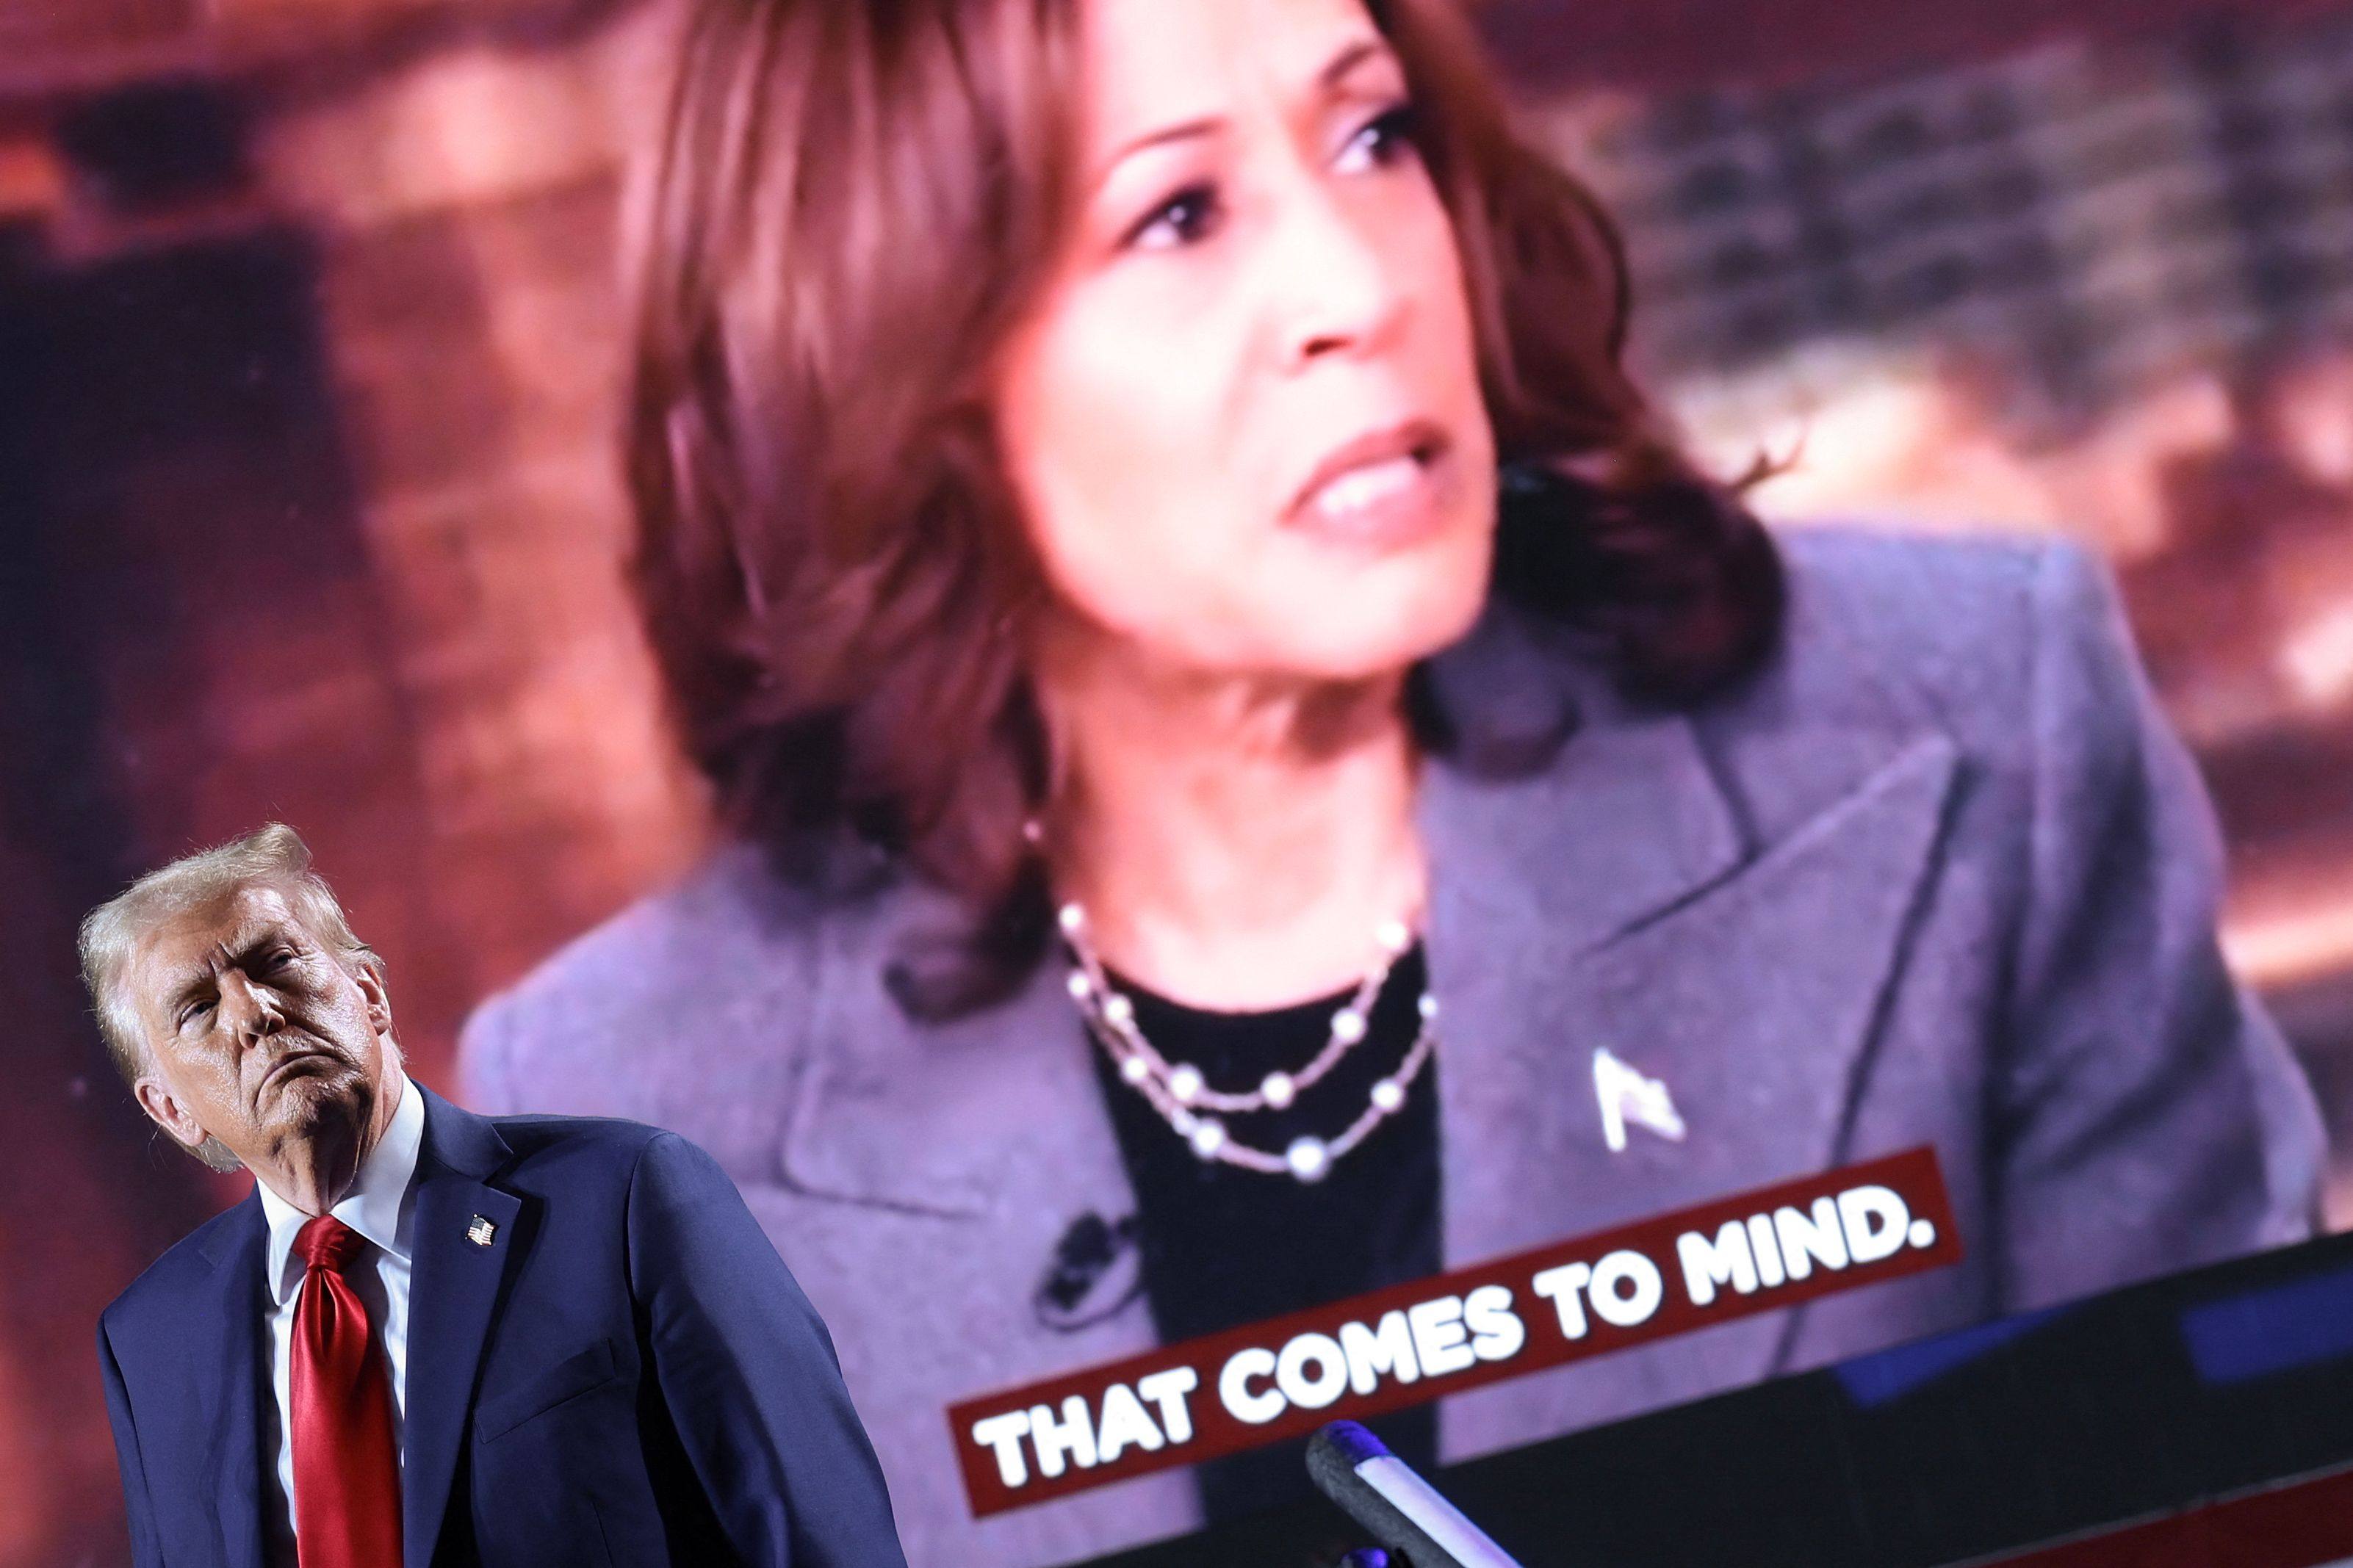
(328, 378)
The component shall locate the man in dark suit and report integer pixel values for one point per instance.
(430, 1337)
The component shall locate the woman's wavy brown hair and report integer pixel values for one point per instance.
(853, 202)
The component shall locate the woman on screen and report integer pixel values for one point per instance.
(1259, 770)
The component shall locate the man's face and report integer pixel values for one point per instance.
(256, 1033)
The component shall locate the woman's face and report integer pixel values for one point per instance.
(1243, 418)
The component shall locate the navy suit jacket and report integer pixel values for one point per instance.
(625, 1374)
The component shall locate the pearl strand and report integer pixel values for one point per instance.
(1180, 1094)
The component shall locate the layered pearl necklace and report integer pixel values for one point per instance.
(1185, 1099)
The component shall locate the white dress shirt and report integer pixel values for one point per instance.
(378, 1207)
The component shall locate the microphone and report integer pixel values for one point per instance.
(1402, 1511)
(1084, 1281)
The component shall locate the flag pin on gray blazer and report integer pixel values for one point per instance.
(481, 1232)
(1627, 1096)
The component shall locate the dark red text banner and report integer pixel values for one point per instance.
(1753, 1252)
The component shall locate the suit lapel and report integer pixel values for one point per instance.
(970, 1118)
(232, 1379)
(453, 1289)
(973, 1144)
(1530, 880)
(1610, 901)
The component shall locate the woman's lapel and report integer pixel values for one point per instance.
(1611, 902)
(974, 1146)
(964, 1119)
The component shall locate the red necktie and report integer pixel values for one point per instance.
(346, 1470)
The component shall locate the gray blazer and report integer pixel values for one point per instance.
(1940, 874)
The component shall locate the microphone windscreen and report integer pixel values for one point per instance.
(1393, 1504)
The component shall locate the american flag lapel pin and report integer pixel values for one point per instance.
(1629, 1098)
(481, 1231)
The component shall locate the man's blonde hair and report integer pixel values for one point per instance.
(111, 933)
